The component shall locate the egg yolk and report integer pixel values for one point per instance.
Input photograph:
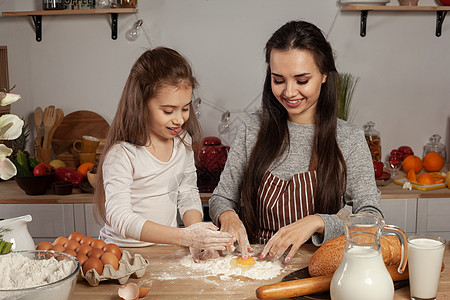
(246, 262)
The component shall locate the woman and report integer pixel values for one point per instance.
(293, 163)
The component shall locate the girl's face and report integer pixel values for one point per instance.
(168, 110)
(296, 83)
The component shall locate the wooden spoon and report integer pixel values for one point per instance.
(38, 123)
(49, 121)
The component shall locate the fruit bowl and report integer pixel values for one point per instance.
(35, 185)
(92, 178)
(61, 288)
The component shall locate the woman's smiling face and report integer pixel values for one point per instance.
(296, 83)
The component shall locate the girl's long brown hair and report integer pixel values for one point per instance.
(153, 70)
(273, 137)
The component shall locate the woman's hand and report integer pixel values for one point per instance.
(205, 236)
(295, 235)
(230, 222)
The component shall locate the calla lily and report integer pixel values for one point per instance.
(7, 98)
(14, 130)
(7, 168)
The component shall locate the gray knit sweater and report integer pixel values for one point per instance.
(361, 194)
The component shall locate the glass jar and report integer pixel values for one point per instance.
(373, 140)
(435, 146)
(126, 3)
(52, 4)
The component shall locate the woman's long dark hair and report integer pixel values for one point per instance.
(153, 70)
(273, 137)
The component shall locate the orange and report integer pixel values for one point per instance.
(83, 169)
(412, 162)
(438, 178)
(433, 162)
(426, 178)
(411, 175)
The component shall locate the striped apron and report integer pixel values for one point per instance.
(282, 202)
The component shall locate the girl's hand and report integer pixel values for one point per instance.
(231, 223)
(199, 254)
(205, 236)
(293, 235)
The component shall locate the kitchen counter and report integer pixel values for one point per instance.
(167, 279)
(10, 193)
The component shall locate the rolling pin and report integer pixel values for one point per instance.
(307, 286)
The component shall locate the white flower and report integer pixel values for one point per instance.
(7, 99)
(10, 129)
(7, 168)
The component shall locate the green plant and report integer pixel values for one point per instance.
(346, 86)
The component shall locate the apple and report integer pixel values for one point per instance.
(378, 167)
(405, 149)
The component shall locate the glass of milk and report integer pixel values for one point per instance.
(425, 254)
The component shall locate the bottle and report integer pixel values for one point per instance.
(373, 140)
(52, 4)
(435, 146)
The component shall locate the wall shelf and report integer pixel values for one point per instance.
(37, 16)
(441, 12)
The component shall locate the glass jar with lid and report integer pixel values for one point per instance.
(434, 145)
(126, 3)
(373, 140)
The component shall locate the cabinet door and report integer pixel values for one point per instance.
(49, 220)
(92, 227)
(401, 213)
(433, 216)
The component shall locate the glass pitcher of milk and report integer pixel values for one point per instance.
(362, 273)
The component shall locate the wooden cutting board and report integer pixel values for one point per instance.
(73, 127)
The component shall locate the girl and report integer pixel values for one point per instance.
(147, 169)
(294, 162)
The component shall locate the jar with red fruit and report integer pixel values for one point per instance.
(373, 140)
(210, 162)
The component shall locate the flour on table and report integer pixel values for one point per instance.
(19, 272)
(261, 270)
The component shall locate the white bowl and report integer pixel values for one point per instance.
(58, 290)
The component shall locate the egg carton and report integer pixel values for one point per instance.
(128, 266)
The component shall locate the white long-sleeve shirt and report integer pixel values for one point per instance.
(139, 187)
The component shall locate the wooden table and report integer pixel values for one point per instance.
(182, 284)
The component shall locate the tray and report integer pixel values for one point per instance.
(128, 266)
(419, 186)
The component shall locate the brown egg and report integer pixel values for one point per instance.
(83, 249)
(60, 240)
(87, 240)
(71, 244)
(95, 252)
(93, 263)
(113, 248)
(44, 246)
(59, 248)
(99, 244)
(70, 252)
(82, 258)
(76, 236)
(109, 258)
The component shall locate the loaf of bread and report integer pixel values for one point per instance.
(327, 258)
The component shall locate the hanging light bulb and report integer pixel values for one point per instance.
(224, 125)
(134, 31)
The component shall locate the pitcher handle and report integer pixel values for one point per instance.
(402, 237)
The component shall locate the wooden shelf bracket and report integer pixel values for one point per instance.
(440, 17)
(37, 20)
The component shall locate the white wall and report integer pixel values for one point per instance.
(403, 67)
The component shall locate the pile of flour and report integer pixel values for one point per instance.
(261, 270)
(18, 271)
